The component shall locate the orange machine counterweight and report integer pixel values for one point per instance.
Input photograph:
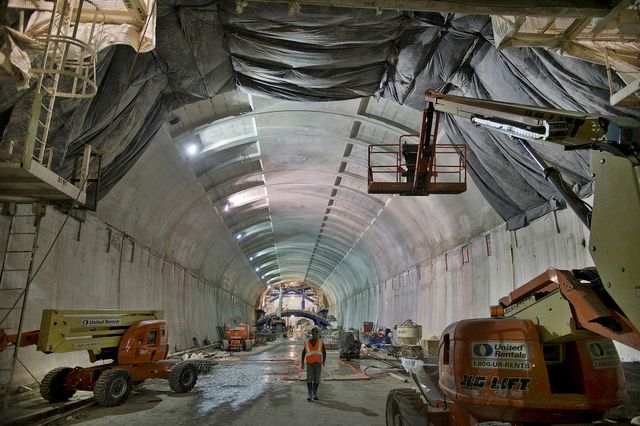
(497, 369)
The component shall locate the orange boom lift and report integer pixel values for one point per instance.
(135, 341)
(546, 356)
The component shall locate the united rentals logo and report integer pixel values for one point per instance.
(603, 354)
(500, 354)
(100, 322)
(482, 350)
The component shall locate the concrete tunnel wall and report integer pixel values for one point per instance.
(95, 266)
(438, 291)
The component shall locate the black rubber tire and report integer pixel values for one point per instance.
(405, 408)
(225, 345)
(183, 377)
(247, 345)
(113, 387)
(52, 387)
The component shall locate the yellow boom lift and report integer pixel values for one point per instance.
(136, 343)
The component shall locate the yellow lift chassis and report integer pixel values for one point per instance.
(136, 341)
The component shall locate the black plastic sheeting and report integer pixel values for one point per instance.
(324, 54)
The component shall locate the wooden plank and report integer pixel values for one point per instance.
(132, 14)
(574, 29)
(613, 14)
(631, 91)
(44, 5)
(550, 22)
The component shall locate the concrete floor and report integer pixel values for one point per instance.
(259, 387)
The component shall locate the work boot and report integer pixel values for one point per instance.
(309, 388)
(315, 391)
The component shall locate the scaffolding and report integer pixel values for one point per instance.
(612, 40)
(66, 67)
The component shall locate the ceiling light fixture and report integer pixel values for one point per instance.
(192, 149)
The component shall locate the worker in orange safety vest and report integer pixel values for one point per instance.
(314, 356)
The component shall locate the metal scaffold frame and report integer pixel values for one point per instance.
(66, 57)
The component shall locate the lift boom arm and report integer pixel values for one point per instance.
(614, 219)
(77, 330)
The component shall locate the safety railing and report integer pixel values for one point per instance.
(385, 164)
(392, 167)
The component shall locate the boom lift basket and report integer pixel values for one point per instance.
(417, 165)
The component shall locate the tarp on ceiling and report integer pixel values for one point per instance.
(325, 53)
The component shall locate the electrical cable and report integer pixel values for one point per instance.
(28, 371)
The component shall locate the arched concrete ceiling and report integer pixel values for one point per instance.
(277, 192)
(292, 174)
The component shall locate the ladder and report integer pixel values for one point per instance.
(15, 279)
(56, 50)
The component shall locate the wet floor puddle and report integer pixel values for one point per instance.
(239, 383)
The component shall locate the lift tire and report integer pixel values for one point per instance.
(246, 345)
(405, 408)
(113, 387)
(183, 377)
(225, 345)
(53, 388)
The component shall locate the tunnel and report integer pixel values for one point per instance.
(235, 140)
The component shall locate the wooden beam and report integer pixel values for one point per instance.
(613, 14)
(560, 8)
(574, 30)
(132, 14)
(628, 95)
(550, 22)
(31, 5)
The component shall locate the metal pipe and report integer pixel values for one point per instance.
(553, 176)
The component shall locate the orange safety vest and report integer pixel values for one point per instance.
(313, 353)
